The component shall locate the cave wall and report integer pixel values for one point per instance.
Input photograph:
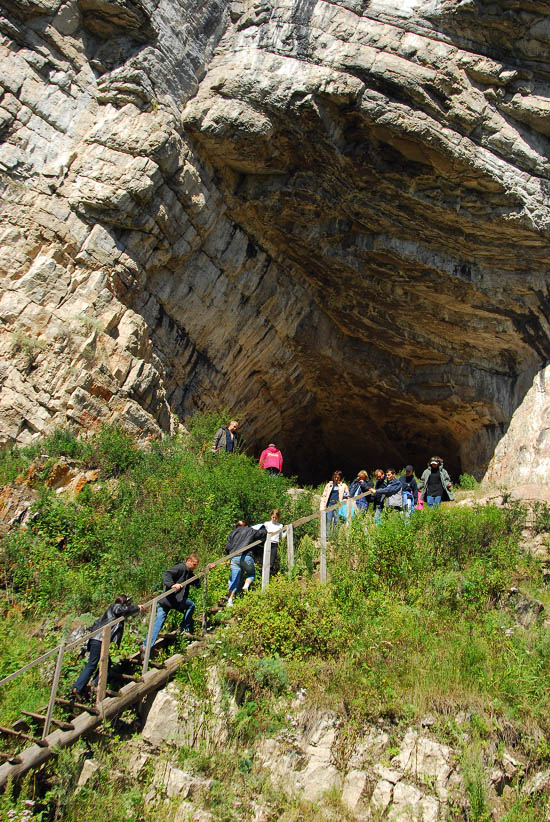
(331, 218)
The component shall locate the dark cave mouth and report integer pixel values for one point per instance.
(313, 459)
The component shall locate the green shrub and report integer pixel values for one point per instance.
(541, 512)
(467, 482)
(271, 673)
(289, 620)
(114, 451)
(64, 443)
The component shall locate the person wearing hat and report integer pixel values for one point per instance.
(271, 459)
(121, 607)
(435, 483)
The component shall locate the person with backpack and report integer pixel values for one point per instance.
(409, 490)
(121, 607)
(391, 492)
(360, 484)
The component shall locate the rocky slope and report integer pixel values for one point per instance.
(378, 771)
(330, 217)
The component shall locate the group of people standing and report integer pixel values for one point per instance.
(387, 492)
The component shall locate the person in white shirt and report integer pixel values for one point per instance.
(274, 528)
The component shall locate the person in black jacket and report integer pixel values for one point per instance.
(242, 564)
(177, 601)
(377, 499)
(120, 608)
(409, 490)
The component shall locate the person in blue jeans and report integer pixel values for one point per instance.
(377, 500)
(242, 564)
(409, 491)
(178, 600)
(435, 483)
(334, 491)
(121, 607)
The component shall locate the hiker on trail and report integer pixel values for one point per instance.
(120, 608)
(274, 527)
(435, 483)
(178, 600)
(360, 484)
(391, 492)
(377, 500)
(409, 490)
(225, 438)
(334, 491)
(242, 565)
(271, 459)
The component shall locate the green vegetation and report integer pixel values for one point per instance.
(412, 620)
(120, 534)
(467, 482)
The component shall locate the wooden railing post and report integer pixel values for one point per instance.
(323, 541)
(53, 692)
(266, 564)
(290, 546)
(147, 653)
(349, 511)
(204, 597)
(103, 665)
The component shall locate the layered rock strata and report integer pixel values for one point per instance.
(331, 218)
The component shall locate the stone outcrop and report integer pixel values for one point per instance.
(331, 218)
(380, 771)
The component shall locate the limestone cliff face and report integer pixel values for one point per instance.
(332, 218)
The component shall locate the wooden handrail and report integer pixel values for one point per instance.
(152, 602)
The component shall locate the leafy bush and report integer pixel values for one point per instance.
(271, 673)
(541, 512)
(114, 451)
(289, 620)
(467, 482)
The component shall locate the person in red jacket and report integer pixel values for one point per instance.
(271, 459)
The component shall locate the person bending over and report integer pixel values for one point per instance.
(242, 565)
(121, 607)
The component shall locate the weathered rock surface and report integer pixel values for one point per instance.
(332, 218)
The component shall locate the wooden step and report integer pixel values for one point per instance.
(14, 759)
(131, 678)
(69, 703)
(20, 725)
(59, 723)
(21, 735)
